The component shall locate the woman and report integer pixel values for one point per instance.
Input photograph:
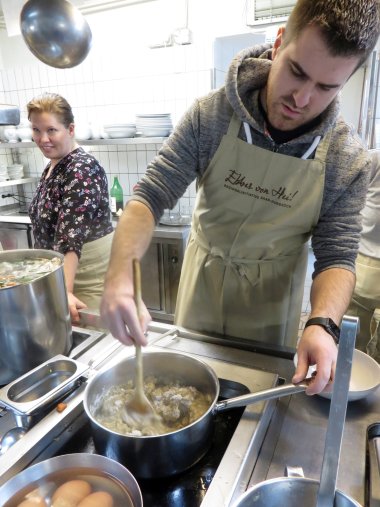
(70, 210)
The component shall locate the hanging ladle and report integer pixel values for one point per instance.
(55, 32)
(139, 412)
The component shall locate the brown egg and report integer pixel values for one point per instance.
(70, 494)
(98, 499)
(33, 502)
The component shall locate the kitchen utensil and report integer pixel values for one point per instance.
(34, 319)
(138, 410)
(171, 453)
(365, 376)
(373, 466)
(100, 472)
(55, 32)
(337, 414)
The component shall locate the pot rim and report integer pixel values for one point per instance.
(129, 359)
(30, 253)
(64, 462)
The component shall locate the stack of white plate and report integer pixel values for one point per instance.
(119, 130)
(15, 171)
(3, 173)
(154, 125)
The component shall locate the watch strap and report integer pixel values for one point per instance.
(328, 324)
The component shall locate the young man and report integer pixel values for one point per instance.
(275, 164)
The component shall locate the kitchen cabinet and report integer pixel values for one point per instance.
(161, 269)
(14, 236)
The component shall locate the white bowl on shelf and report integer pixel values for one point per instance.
(11, 134)
(120, 132)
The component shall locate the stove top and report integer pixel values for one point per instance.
(218, 479)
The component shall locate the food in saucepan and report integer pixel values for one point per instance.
(177, 405)
(25, 271)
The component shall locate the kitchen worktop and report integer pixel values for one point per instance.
(295, 434)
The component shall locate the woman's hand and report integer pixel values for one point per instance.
(75, 304)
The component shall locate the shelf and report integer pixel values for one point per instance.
(21, 181)
(94, 142)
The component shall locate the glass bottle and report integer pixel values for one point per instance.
(117, 202)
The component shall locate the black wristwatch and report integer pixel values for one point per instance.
(328, 324)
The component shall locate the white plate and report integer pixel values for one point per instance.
(365, 376)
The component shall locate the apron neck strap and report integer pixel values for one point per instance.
(321, 146)
(234, 126)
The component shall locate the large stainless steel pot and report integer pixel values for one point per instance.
(163, 455)
(288, 492)
(34, 319)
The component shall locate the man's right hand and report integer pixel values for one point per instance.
(119, 314)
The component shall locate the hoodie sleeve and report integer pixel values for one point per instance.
(335, 239)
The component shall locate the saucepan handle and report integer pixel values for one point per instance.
(267, 394)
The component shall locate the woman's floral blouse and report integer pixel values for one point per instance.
(71, 207)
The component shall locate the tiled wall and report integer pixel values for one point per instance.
(122, 76)
(126, 161)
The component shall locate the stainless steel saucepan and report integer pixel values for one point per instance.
(171, 453)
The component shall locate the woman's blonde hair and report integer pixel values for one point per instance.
(54, 104)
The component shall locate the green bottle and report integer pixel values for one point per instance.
(117, 202)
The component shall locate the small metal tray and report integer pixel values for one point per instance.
(43, 385)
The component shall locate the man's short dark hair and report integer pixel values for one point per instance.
(349, 27)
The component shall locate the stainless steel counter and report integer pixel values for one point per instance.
(292, 432)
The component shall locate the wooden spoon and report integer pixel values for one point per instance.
(139, 412)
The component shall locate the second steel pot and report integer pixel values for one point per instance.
(34, 319)
(171, 453)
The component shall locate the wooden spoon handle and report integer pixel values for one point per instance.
(138, 301)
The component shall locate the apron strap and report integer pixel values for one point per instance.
(321, 147)
(234, 126)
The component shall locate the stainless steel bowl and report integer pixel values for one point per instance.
(102, 474)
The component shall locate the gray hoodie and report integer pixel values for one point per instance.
(188, 151)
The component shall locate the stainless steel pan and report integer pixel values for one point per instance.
(155, 456)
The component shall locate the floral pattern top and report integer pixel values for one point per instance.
(71, 207)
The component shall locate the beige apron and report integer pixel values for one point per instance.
(245, 263)
(89, 278)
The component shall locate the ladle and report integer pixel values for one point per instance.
(55, 32)
(139, 412)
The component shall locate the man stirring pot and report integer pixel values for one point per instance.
(275, 164)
